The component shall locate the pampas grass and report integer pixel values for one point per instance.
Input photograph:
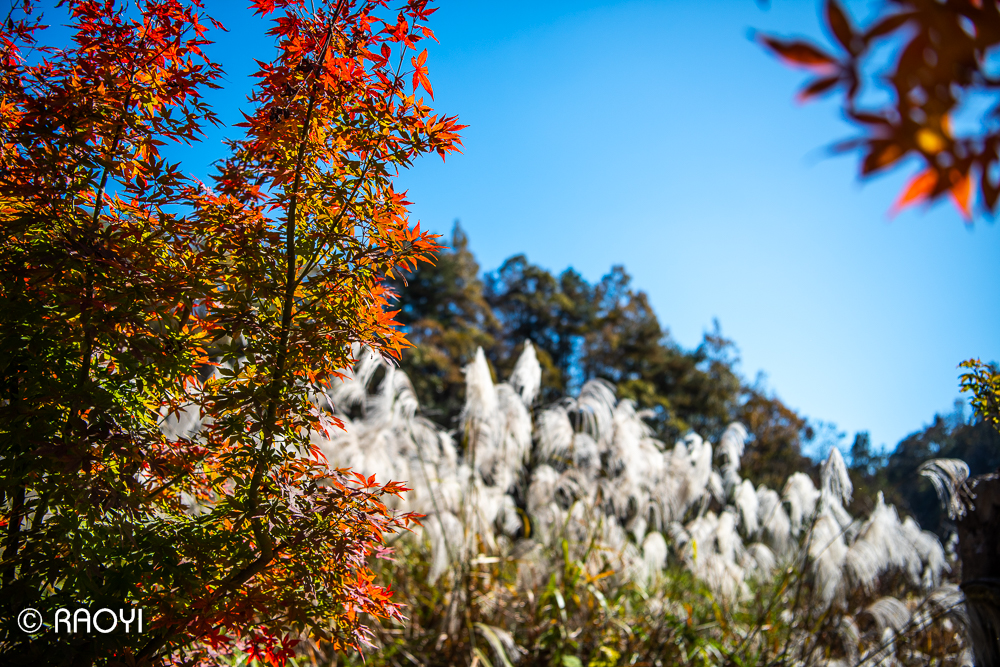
(567, 534)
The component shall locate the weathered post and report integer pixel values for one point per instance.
(979, 549)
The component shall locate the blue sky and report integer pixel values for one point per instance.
(657, 135)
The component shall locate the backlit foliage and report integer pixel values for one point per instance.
(939, 69)
(135, 300)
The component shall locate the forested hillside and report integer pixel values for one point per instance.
(608, 330)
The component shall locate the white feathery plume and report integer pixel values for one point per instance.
(639, 474)
(758, 559)
(850, 637)
(547, 523)
(835, 481)
(433, 476)
(731, 448)
(447, 542)
(542, 489)
(448, 494)
(702, 554)
(948, 477)
(479, 416)
(508, 519)
(395, 400)
(353, 390)
(555, 434)
(701, 537)
(596, 405)
(629, 435)
(620, 496)
(835, 490)
(678, 535)
(828, 551)
(726, 579)
(728, 541)
(801, 496)
(585, 453)
(688, 471)
(574, 485)
(654, 556)
(773, 520)
(931, 553)
(888, 613)
(948, 599)
(669, 493)
(482, 506)
(733, 444)
(638, 526)
(700, 457)
(745, 500)
(717, 487)
(866, 560)
(503, 463)
(599, 484)
(526, 379)
(881, 545)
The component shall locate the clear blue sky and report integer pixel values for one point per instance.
(658, 136)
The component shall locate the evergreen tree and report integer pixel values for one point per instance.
(582, 331)
(446, 317)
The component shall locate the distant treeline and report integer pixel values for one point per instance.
(608, 330)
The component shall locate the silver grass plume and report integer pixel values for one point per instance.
(526, 379)
(731, 450)
(774, 522)
(948, 477)
(801, 496)
(601, 479)
(692, 459)
(596, 405)
(891, 616)
(654, 557)
(835, 481)
(850, 637)
(881, 546)
(745, 500)
(827, 551)
(758, 560)
(554, 432)
(479, 417)
(931, 554)
(948, 600)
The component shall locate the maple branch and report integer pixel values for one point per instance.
(261, 535)
(320, 254)
(88, 345)
(231, 583)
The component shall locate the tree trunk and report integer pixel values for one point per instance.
(979, 549)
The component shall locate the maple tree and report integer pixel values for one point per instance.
(939, 69)
(131, 294)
